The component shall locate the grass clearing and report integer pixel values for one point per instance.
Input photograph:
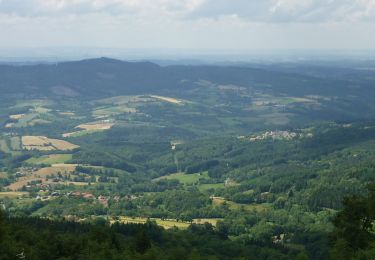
(236, 206)
(13, 194)
(50, 159)
(187, 179)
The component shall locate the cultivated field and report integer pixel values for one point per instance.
(43, 143)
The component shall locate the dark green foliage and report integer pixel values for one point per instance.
(102, 159)
(43, 239)
(203, 166)
(353, 237)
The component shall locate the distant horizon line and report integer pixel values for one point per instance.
(60, 54)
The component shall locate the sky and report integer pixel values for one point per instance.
(188, 24)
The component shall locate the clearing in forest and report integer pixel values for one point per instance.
(187, 179)
(50, 159)
(237, 206)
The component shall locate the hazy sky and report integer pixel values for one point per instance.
(188, 24)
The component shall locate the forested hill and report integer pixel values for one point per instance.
(106, 77)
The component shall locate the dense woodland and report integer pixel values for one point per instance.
(33, 238)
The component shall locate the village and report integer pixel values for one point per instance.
(277, 135)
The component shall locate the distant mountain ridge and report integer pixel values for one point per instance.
(106, 77)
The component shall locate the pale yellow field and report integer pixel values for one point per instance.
(43, 143)
(167, 99)
(67, 113)
(95, 126)
(16, 117)
(78, 183)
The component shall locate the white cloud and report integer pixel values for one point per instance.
(251, 10)
(58, 7)
(290, 10)
(188, 23)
